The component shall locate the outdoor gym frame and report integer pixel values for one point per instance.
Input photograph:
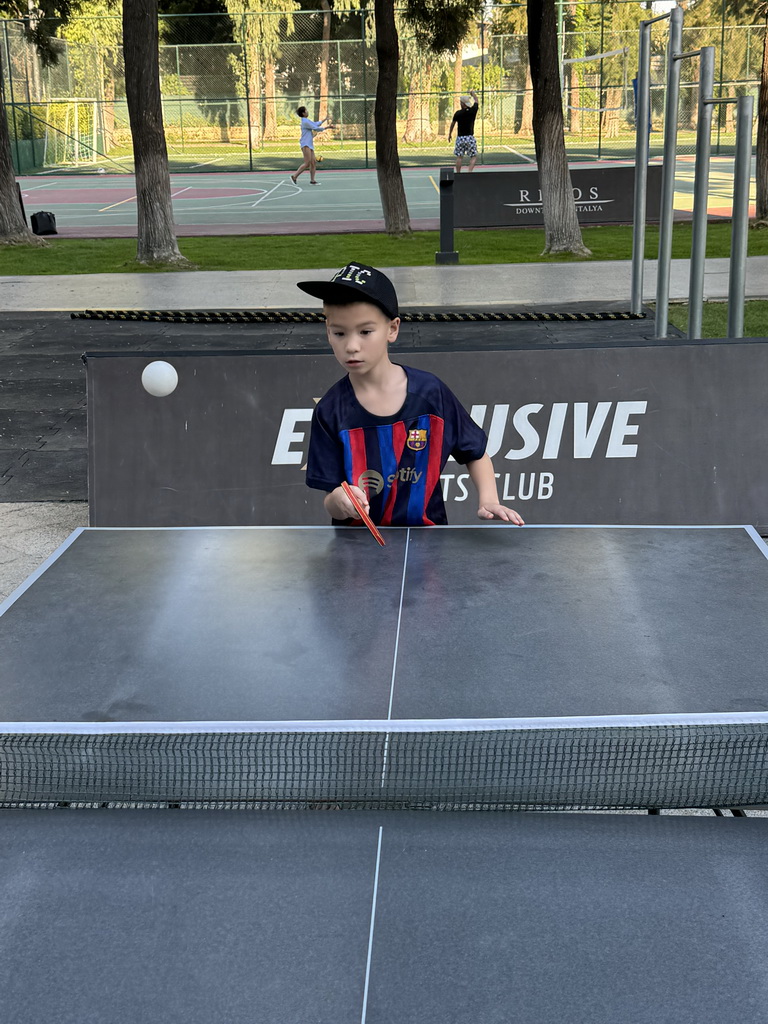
(741, 183)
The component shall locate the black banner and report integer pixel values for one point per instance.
(662, 434)
(603, 194)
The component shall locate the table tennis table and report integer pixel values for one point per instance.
(304, 916)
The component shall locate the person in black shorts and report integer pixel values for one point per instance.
(464, 119)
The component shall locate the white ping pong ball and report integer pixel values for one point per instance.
(159, 378)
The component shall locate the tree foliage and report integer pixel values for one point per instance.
(440, 25)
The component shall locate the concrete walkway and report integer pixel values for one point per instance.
(525, 285)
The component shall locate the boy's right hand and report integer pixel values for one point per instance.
(338, 505)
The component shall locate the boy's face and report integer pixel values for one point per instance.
(360, 335)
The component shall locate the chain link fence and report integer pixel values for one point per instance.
(231, 85)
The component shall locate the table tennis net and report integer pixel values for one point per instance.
(492, 765)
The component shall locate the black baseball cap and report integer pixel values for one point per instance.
(356, 283)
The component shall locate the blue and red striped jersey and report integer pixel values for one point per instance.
(397, 460)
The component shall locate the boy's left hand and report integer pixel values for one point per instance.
(508, 515)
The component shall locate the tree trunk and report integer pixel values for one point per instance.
(108, 106)
(761, 172)
(458, 65)
(156, 233)
(611, 115)
(418, 125)
(13, 230)
(574, 100)
(397, 220)
(270, 113)
(526, 117)
(562, 232)
(325, 58)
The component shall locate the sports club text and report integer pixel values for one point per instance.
(537, 430)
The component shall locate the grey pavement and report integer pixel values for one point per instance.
(527, 285)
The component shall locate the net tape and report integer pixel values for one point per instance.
(389, 766)
(297, 317)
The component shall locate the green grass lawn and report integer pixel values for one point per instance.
(714, 320)
(309, 252)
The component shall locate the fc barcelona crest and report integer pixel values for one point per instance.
(417, 440)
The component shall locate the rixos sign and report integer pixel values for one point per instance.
(603, 195)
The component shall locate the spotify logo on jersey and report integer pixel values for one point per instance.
(371, 482)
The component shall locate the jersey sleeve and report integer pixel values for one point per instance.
(470, 441)
(325, 462)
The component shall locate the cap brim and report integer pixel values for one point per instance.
(332, 291)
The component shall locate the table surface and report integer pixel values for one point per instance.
(375, 917)
(321, 624)
(358, 917)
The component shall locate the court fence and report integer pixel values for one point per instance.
(231, 85)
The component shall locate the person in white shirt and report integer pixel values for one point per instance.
(307, 143)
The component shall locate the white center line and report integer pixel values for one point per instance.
(370, 933)
(399, 620)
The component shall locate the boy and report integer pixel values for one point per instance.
(384, 428)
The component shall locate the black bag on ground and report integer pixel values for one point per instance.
(43, 223)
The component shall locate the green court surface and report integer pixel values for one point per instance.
(104, 205)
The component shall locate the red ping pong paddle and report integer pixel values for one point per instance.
(362, 513)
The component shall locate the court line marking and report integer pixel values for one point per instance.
(104, 208)
(435, 184)
(186, 189)
(373, 922)
(13, 597)
(205, 163)
(522, 156)
(33, 188)
(267, 194)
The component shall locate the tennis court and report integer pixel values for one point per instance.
(244, 203)
(104, 205)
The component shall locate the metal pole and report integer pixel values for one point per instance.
(447, 253)
(247, 92)
(363, 16)
(76, 133)
(742, 176)
(19, 169)
(600, 86)
(341, 100)
(482, 89)
(642, 146)
(178, 86)
(701, 190)
(666, 215)
(720, 74)
(501, 92)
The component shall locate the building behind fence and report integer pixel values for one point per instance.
(230, 88)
